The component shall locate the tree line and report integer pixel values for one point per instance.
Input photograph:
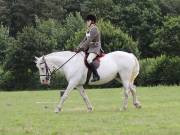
(148, 28)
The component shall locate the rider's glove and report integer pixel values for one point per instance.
(79, 50)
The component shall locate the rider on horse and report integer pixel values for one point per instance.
(91, 44)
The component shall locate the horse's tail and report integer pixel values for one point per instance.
(135, 71)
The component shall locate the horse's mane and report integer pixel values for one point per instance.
(61, 53)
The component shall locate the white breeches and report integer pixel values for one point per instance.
(91, 57)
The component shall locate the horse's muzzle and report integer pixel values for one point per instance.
(45, 82)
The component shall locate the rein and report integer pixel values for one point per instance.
(48, 71)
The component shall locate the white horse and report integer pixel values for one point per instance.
(118, 65)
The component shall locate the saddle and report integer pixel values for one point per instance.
(96, 62)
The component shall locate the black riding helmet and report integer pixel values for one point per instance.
(91, 17)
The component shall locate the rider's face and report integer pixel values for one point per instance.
(88, 23)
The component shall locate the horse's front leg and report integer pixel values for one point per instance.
(70, 87)
(85, 98)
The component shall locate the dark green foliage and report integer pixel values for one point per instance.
(160, 70)
(19, 67)
(58, 81)
(4, 42)
(169, 7)
(140, 18)
(148, 28)
(18, 14)
(101, 8)
(114, 38)
(73, 24)
(167, 39)
(20, 57)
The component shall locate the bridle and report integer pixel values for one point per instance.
(49, 73)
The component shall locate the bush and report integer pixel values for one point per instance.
(5, 42)
(72, 25)
(114, 39)
(160, 70)
(20, 57)
(169, 71)
(58, 81)
(7, 80)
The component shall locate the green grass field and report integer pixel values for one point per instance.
(23, 113)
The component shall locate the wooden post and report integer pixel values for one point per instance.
(61, 93)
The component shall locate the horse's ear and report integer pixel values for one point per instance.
(36, 59)
(43, 57)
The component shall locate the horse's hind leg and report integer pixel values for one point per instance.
(125, 81)
(126, 94)
(136, 102)
(85, 98)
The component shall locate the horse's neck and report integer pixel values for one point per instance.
(59, 58)
(54, 60)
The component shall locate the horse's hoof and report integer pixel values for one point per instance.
(57, 110)
(138, 105)
(123, 109)
(90, 110)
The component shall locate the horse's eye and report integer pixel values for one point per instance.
(42, 69)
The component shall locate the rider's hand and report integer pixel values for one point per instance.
(78, 49)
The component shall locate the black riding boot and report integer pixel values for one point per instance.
(95, 73)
